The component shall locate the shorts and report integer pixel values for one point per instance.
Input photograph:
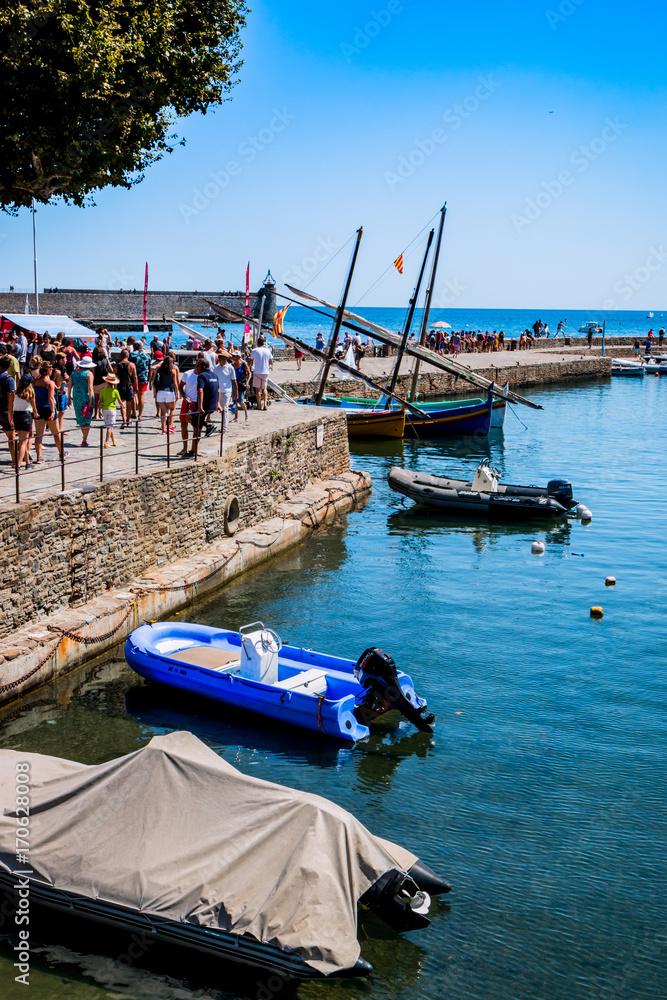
(456, 348)
(109, 418)
(4, 422)
(259, 381)
(199, 419)
(240, 399)
(127, 395)
(187, 407)
(61, 403)
(22, 420)
(143, 386)
(44, 413)
(165, 396)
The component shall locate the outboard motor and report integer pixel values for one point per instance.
(399, 901)
(376, 672)
(561, 491)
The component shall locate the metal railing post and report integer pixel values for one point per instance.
(168, 444)
(16, 463)
(222, 430)
(101, 454)
(136, 446)
(62, 461)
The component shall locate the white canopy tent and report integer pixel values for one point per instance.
(47, 324)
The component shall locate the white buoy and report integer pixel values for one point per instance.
(582, 511)
(537, 548)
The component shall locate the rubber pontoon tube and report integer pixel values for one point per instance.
(427, 879)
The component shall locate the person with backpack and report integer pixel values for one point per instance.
(142, 364)
(100, 372)
(45, 403)
(7, 393)
(128, 387)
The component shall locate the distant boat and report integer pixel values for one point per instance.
(627, 368)
(591, 327)
(649, 316)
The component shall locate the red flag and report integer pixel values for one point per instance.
(246, 328)
(398, 263)
(146, 298)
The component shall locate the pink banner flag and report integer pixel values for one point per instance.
(246, 328)
(146, 299)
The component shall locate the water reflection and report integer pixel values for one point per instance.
(420, 521)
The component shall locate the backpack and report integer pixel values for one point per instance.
(4, 389)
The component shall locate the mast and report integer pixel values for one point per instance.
(427, 304)
(338, 320)
(408, 323)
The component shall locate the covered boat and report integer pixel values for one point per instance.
(485, 495)
(253, 670)
(174, 843)
(629, 369)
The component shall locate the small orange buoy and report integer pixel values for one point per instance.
(610, 581)
(596, 612)
(457, 713)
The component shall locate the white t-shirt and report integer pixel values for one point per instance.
(262, 358)
(210, 357)
(189, 382)
(225, 375)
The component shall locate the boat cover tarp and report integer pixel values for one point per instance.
(47, 324)
(173, 830)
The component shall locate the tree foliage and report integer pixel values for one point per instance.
(90, 91)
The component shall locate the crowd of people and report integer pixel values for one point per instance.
(42, 377)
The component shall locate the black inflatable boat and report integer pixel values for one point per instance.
(485, 496)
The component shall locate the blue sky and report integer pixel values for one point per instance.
(541, 124)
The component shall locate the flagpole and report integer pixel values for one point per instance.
(145, 300)
(427, 304)
(34, 256)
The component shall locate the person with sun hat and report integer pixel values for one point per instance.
(109, 397)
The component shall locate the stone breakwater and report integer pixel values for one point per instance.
(66, 548)
(436, 384)
(42, 651)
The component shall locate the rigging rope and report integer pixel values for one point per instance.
(403, 252)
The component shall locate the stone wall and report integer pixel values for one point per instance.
(442, 384)
(111, 305)
(65, 549)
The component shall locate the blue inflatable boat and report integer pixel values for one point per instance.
(253, 670)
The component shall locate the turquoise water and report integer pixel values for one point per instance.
(541, 795)
(304, 324)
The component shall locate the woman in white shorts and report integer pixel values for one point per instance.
(166, 385)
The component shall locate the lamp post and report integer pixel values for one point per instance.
(34, 255)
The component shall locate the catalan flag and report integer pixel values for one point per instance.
(277, 330)
(398, 263)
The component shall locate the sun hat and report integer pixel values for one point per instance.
(111, 379)
(85, 363)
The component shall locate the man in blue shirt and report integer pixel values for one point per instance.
(207, 399)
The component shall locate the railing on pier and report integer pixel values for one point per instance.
(66, 463)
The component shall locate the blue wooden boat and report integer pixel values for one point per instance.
(466, 417)
(252, 669)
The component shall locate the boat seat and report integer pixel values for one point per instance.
(306, 682)
(212, 657)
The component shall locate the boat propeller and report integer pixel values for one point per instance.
(376, 672)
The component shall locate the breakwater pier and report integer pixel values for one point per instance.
(82, 566)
